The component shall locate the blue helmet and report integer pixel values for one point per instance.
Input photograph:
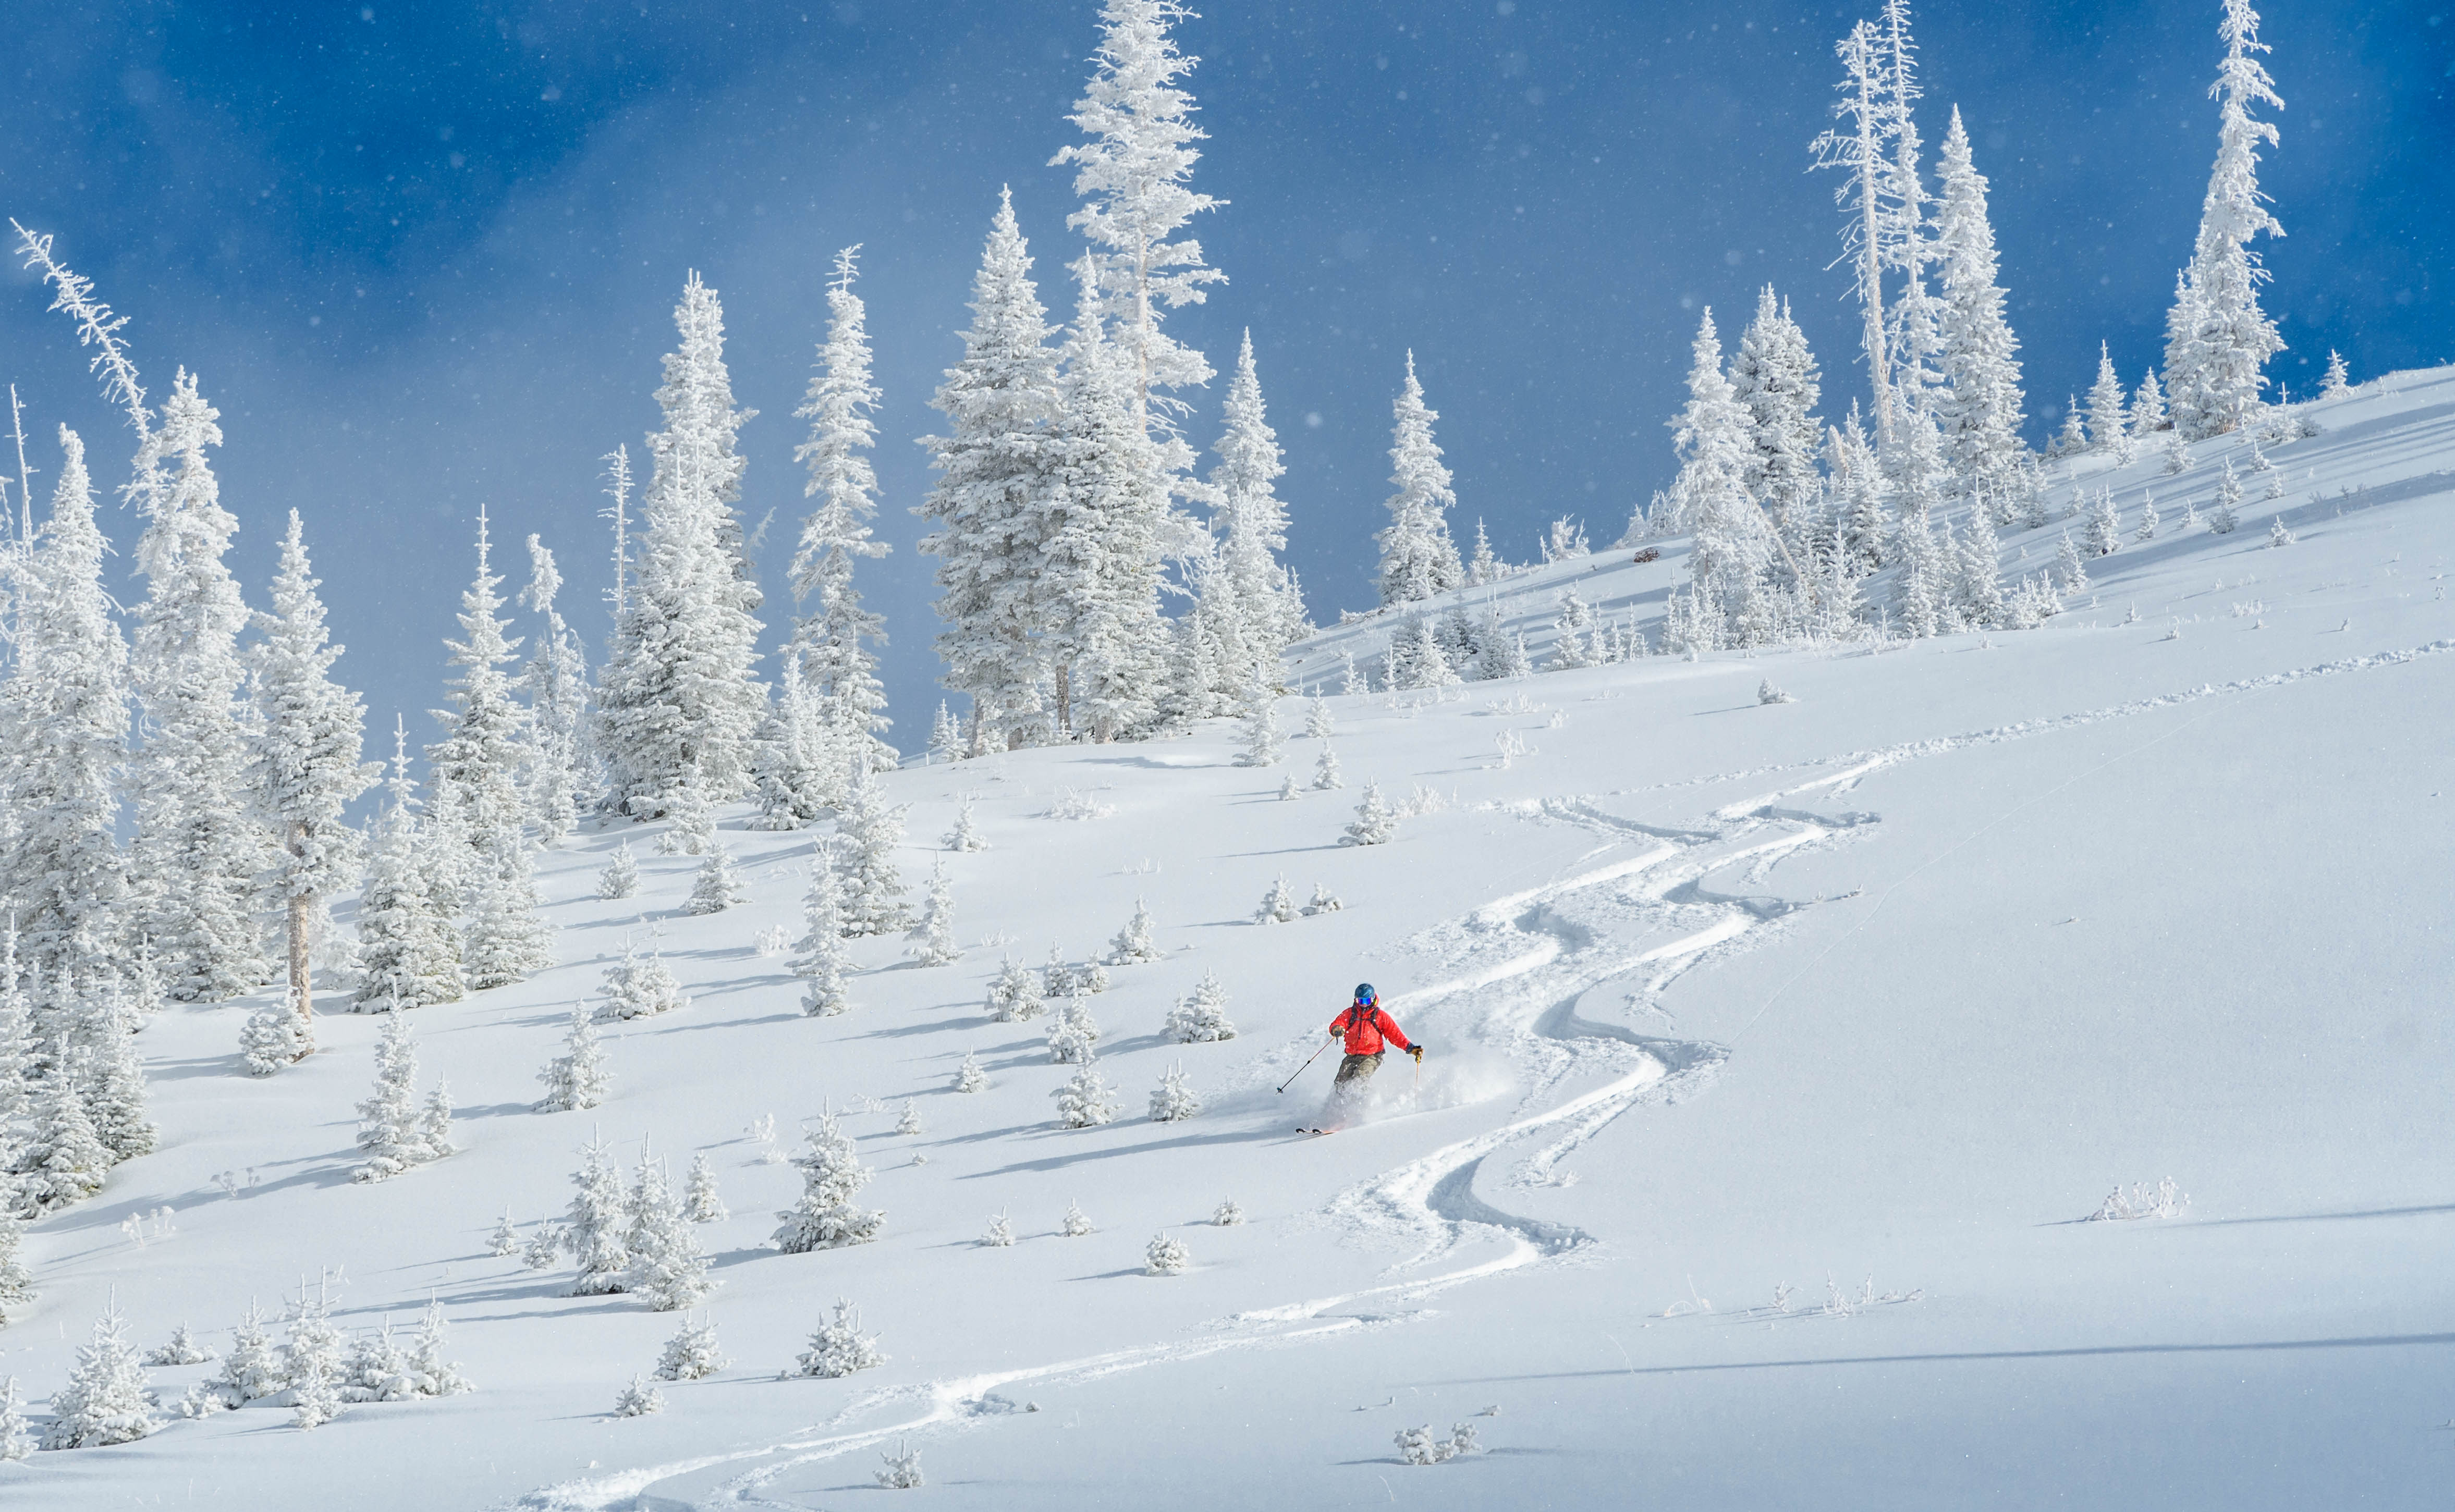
(1364, 993)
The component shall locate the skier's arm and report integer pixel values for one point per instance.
(1390, 1032)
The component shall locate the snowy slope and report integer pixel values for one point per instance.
(1888, 984)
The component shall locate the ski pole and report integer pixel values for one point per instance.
(1300, 1070)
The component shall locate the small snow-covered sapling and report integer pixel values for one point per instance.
(1134, 943)
(1000, 1235)
(1087, 1099)
(620, 878)
(1174, 1101)
(1376, 822)
(1278, 904)
(1075, 1224)
(701, 1200)
(691, 1353)
(1767, 693)
(505, 1239)
(181, 1349)
(639, 1399)
(1200, 1017)
(970, 1077)
(1324, 900)
(909, 1123)
(1325, 770)
(903, 1469)
(1227, 1215)
(1165, 1256)
(718, 886)
(1288, 792)
(838, 1347)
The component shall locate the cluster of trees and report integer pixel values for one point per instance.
(1790, 514)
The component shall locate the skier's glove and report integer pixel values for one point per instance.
(1417, 1051)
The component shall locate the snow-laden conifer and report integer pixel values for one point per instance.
(1165, 1256)
(1262, 740)
(718, 885)
(994, 468)
(408, 951)
(1134, 943)
(1278, 904)
(701, 1202)
(838, 1347)
(2147, 413)
(1861, 149)
(1174, 1098)
(970, 1077)
(1073, 1034)
(2109, 425)
(2336, 384)
(311, 1358)
(1319, 725)
(2070, 575)
(1981, 406)
(16, 1282)
(822, 962)
(2226, 517)
(508, 939)
(1253, 524)
(677, 704)
(825, 1216)
(376, 1370)
(639, 1399)
(62, 1161)
(620, 876)
(253, 1367)
(1075, 1224)
(1418, 559)
(483, 759)
(2219, 338)
(390, 1130)
(1200, 1015)
(429, 1371)
(834, 636)
(505, 1241)
(800, 768)
(933, 936)
(1415, 658)
(1774, 378)
(1325, 770)
(303, 759)
(15, 1443)
(966, 836)
(1375, 823)
(1977, 584)
(196, 854)
(868, 830)
(104, 1026)
(598, 1222)
(1324, 900)
(668, 1270)
(2105, 525)
(2147, 530)
(945, 738)
(692, 1353)
(908, 1121)
(107, 1400)
(556, 680)
(638, 987)
(181, 1348)
(579, 1077)
(1226, 1214)
(64, 722)
(1732, 549)
(18, 1060)
(1085, 1100)
(1000, 1235)
(544, 1247)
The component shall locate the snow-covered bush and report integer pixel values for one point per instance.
(1085, 1100)
(903, 1469)
(1015, 993)
(577, 1078)
(1226, 1214)
(1165, 1256)
(2140, 1201)
(639, 1399)
(1075, 1224)
(1278, 904)
(691, 1353)
(970, 1077)
(1767, 693)
(840, 1347)
(180, 1349)
(1376, 823)
(1172, 1100)
(832, 1176)
(1000, 1235)
(966, 836)
(620, 878)
(909, 1123)
(1071, 806)
(1073, 1034)
(639, 987)
(1133, 944)
(1200, 1015)
(1418, 1446)
(1324, 900)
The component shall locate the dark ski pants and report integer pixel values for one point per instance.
(1358, 1068)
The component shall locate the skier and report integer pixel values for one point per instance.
(1368, 1029)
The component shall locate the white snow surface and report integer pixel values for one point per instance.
(1889, 985)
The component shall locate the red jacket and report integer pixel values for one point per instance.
(1365, 1028)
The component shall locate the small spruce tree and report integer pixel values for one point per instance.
(1173, 1099)
(1085, 1100)
(1133, 944)
(838, 1347)
(1200, 1015)
(107, 1400)
(825, 1216)
(577, 1078)
(1376, 822)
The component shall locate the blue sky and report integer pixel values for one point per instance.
(424, 256)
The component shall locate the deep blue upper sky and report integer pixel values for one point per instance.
(424, 256)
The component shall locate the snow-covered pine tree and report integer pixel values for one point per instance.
(2226, 517)
(1174, 1099)
(1278, 904)
(254, 1368)
(999, 400)
(869, 829)
(2147, 530)
(2147, 411)
(1262, 738)
(1323, 901)
(1874, 106)
(1133, 944)
(15, 1443)
(620, 876)
(1774, 378)
(16, 1282)
(1318, 724)
(1978, 583)
(1085, 1100)
(103, 1027)
(825, 1216)
(822, 962)
(1415, 658)
(1979, 408)
(180, 1349)
(579, 1077)
(1200, 1015)
(304, 760)
(2108, 415)
(312, 1359)
(376, 1369)
(1325, 769)
(2073, 437)
(483, 763)
(2212, 372)
(639, 987)
(64, 720)
(197, 854)
(701, 1202)
(508, 939)
(834, 637)
(1418, 559)
(598, 1222)
(799, 768)
(505, 1239)
(717, 887)
(389, 1128)
(1075, 1224)
(668, 1269)
(107, 1400)
(639, 1399)
(945, 738)
(63, 1160)
(19, 1061)
(838, 1347)
(933, 937)
(2070, 575)
(1015, 995)
(691, 1354)
(430, 1374)
(2336, 384)
(966, 836)
(408, 951)
(2104, 526)
(1269, 611)
(1073, 1034)
(677, 703)
(970, 1077)
(1376, 822)
(1165, 1256)
(1732, 548)
(556, 680)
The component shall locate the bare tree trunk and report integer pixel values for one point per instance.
(1065, 700)
(303, 925)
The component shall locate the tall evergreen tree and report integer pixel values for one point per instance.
(197, 854)
(556, 680)
(1861, 149)
(64, 722)
(995, 467)
(304, 766)
(836, 659)
(1418, 558)
(1774, 378)
(483, 759)
(1981, 407)
(1253, 525)
(2107, 426)
(1732, 550)
(2217, 338)
(677, 703)
(409, 954)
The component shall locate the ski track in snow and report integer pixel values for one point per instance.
(1529, 960)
